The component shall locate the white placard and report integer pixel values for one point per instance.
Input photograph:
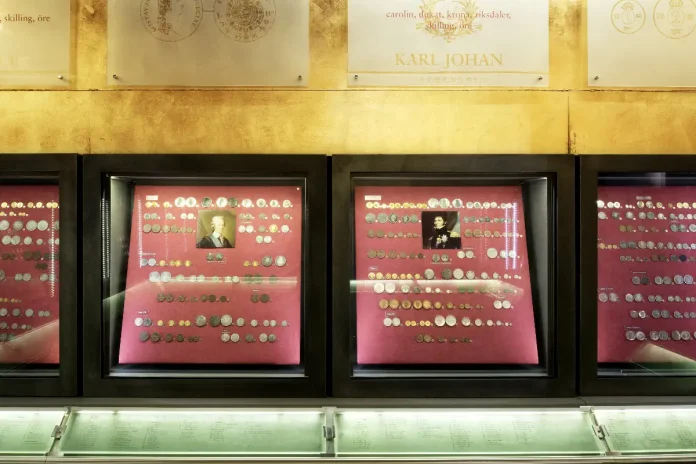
(641, 43)
(208, 42)
(35, 42)
(448, 43)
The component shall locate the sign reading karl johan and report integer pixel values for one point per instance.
(448, 42)
(35, 42)
(209, 42)
(641, 43)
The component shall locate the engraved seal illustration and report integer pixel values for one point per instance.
(628, 16)
(675, 19)
(245, 20)
(171, 20)
(449, 19)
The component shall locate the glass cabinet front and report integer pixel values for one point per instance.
(646, 290)
(203, 275)
(29, 277)
(451, 274)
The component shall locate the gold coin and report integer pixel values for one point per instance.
(427, 304)
(391, 205)
(417, 304)
(369, 205)
(162, 263)
(14, 204)
(622, 228)
(177, 263)
(417, 276)
(409, 276)
(187, 263)
(397, 205)
(406, 304)
(255, 264)
(167, 204)
(388, 276)
(181, 323)
(383, 304)
(30, 204)
(437, 305)
(394, 304)
(379, 276)
(171, 323)
(371, 276)
(160, 323)
(427, 323)
(246, 263)
(602, 246)
(187, 323)
(422, 323)
(402, 276)
(450, 306)
(148, 204)
(171, 263)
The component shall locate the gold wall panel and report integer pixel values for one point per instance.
(633, 122)
(44, 122)
(328, 122)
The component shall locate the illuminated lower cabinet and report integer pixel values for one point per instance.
(160, 434)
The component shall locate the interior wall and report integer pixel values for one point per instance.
(566, 118)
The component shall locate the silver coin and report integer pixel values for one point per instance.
(200, 321)
(3, 312)
(42, 225)
(263, 338)
(32, 225)
(6, 240)
(18, 225)
(4, 225)
(26, 277)
(676, 335)
(226, 320)
(656, 313)
(249, 338)
(654, 335)
(138, 321)
(280, 261)
(640, 336)
(190, 202)
(16, 240)
(240, 322)
(685, 335)
(234, 338)
(678, 279)
(225, 337)
(629, 298)
(630, 335)
(633, 314)
(16, 312)
(154, 276)
(444, 203)
(433, 203)
(665, 314)
(642, 314)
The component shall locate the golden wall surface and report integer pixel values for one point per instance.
(329, 118)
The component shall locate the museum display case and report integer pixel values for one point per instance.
(637, 267)
(453, 276)
(210, 275)
(38, 275)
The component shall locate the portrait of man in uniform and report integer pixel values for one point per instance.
(441, 230)
(216, 229)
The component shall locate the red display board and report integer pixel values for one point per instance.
(442, 276)
(646, 267)
(29, 269)
(214, 276)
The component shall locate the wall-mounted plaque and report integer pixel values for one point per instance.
(199, 43)
(35, 43)
(641, 43)
(448, 43)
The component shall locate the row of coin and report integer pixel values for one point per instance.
(666, 280)
(16, 240)
(439, 203)
(27, 277)
(662, 335)
(637, 297)
(15, 326)
(249, 338)
(4, 312)
(31, 226)
(226, 321)
(656, 258)
(30, 205)
(426, 338)
(441, 321)
(642, 245)
(395, 304)
(646, 204)
(221, 202)
(664, 314)
(409, 276)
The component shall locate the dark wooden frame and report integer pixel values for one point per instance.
(97, 379)
(62, 168)
(590, 383)
(561, 381)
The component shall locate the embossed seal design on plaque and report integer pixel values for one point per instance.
(171, 20)
(675, 19)
(449, 19)
(245, 20)
(628, 16)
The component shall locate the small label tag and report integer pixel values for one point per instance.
(151, 197)
(373, 197)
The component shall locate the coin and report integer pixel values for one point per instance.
(200, 321)
(144, 336)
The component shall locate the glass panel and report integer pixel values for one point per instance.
(203, 274)
(451, 274)
(198, 432)
(646, 262)
(28, 432)
(427, 433)
(648, 430)
(29, 284)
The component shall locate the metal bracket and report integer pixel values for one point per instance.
(600, 431)
(58, 432)
(329, 431)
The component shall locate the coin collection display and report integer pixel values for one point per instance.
(442, 276)
(646, 250)
(214, 276)
(29, 270)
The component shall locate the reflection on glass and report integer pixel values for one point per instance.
(443, 275)
(212, 274)
(29, 297)
(646, 262)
